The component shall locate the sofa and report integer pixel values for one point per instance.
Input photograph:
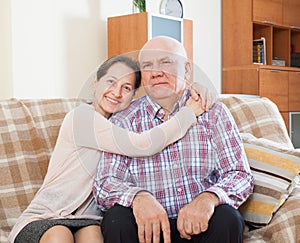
(28, 132)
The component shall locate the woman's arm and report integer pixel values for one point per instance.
(92, 130)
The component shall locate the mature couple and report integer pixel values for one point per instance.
(177, 176)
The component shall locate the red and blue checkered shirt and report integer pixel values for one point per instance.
(210, 157)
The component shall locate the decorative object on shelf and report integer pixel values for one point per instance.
(138, 6)
(278, 62)
(172, 8)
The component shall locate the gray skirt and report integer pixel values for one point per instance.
(33, 231)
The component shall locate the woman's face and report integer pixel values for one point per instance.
(115, 90)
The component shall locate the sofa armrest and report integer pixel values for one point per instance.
(259, 117)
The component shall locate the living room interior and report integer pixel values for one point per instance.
(50, 48)
(68, 41)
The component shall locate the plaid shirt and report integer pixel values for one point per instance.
(210, 157)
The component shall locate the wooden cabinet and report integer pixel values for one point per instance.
(291, 12)
(236, 33)
(278, 41)
(241, 80)
(280, 86)
(271, 83)
(277, 21)
(274, 84)
(294, 91)
(239, 28)
(268, 11)
(128, 33)
(281, 12)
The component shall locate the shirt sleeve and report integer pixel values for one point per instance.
(235, 181)
(114, 183)
(92, 130)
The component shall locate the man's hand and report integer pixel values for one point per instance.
(193, 218)
(208, 95)
(151, 219)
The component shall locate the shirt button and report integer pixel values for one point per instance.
(179, 190)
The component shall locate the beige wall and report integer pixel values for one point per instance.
(6, 84)
(51, 46)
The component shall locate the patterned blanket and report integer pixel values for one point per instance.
(28, 132)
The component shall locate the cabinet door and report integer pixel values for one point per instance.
(267, 11)
(294, 91)
(240, 81)
(291, 12)
(273, 84)
(236, 33)
(127, 33)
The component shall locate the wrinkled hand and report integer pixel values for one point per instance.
(195, 103)
(151, 219)
(193, 218)
(207, 95)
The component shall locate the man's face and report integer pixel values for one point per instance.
(163, 73)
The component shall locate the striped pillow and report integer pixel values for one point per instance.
(276, 174)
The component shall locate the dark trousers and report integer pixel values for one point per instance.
(226, 225)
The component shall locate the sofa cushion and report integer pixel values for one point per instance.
(28, 132)
(276, 172)
(260, 117)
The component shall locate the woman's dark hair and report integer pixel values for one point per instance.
(121, 59)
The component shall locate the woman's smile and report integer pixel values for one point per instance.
(112, 100)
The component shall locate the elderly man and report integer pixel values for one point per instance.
(190, 191)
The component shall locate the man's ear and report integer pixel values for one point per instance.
(188, 71)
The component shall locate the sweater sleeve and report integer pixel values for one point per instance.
(91, 130)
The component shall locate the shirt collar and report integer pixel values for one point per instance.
(156, 111)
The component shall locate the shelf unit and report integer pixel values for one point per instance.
(130, 32)
(278, 22)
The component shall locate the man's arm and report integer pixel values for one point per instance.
(234, 179)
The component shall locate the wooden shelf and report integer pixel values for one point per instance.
(279, 23)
